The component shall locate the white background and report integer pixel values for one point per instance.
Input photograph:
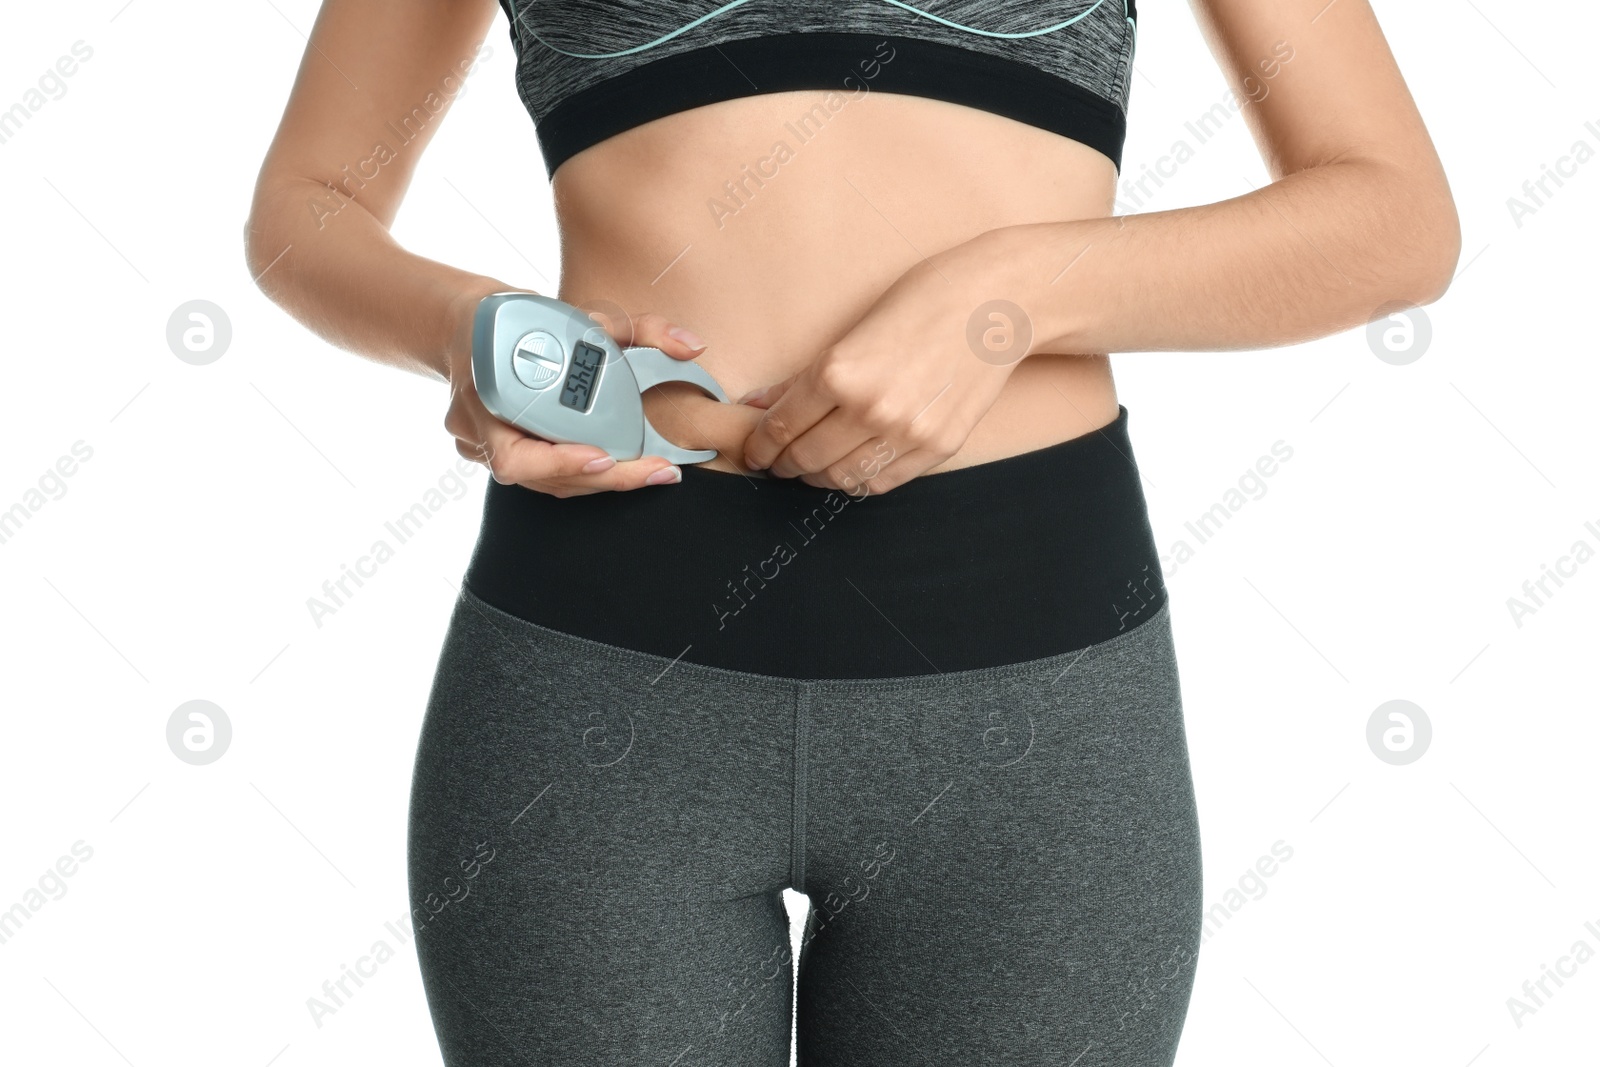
(178, 563)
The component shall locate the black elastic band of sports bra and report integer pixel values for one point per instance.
(992, 564)
(794, 61)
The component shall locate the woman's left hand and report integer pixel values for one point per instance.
(903, 389)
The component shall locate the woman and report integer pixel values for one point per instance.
(903, 646)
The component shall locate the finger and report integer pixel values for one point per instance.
(827, 444)
(767, 395)
(860, 466)
(801, 407)
(468, 450)
(874, 478)
(567, 469)
(513, 456)
(654, 330)
(642, 473)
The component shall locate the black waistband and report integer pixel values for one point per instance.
(998, 563)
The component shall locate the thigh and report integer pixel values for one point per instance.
(1004, 868)
(596, 855)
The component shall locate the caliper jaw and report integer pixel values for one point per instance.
(651, 367)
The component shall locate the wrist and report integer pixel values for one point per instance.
(1048, 270)
(461, 309)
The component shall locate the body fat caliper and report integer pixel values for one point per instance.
(547, 367)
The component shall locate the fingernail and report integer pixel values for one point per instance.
(754, 394)
(595, 466)
(688, 337)
(665, 476)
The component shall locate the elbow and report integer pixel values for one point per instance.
(1422, 242)
(1410, 232)
(252, 248)
(264, 247)
(1438, 252)
(254, 239)
(268, 232)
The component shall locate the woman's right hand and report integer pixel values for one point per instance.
(514, 456)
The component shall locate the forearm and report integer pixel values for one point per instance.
(345, 278)
(1310, 255)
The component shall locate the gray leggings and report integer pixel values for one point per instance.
(1002, 863)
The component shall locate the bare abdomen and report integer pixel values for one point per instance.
(769, 225)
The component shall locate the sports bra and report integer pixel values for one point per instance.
(590, 69)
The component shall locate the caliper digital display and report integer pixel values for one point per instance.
(577, 392)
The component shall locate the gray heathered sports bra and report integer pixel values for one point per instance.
(590, 70)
